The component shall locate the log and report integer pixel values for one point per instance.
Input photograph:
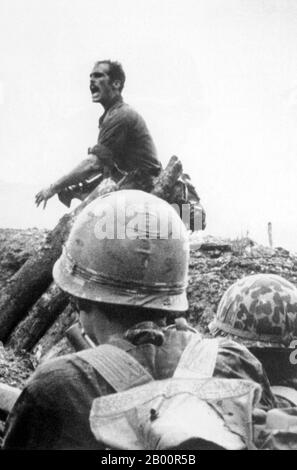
(39, 320)
(31, 280)
(164, 183)
(56, 332)
(45, 312)
(60, 348)
(35, 276)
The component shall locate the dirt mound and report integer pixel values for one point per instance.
(16, 246)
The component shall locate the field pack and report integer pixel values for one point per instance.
(191, 410)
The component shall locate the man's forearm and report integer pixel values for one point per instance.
(88, 166)
(81, 171)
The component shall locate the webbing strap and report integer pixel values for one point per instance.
(122, 371)
(116, 366)
(285, 392)
(198, 359)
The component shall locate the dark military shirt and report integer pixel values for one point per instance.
(279, 369)
(124, 138)
(53, 410)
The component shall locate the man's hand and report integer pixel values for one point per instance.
(84, 169)
(44, 195)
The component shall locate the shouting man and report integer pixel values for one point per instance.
(124, 147)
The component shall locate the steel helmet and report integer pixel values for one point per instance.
(127, 247)
(261, 310)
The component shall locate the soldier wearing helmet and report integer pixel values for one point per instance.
(260, 311)
(125, 266)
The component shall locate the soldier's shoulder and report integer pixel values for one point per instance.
(228, 343)
(129, 113)
(62, 368)
(231, 347)
(237, 354)
(121, 114)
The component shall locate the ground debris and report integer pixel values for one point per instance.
(15, 369)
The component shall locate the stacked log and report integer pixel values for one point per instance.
(40, 318)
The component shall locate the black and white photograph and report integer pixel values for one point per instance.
(148, 228)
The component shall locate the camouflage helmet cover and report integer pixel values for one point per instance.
(261, 310)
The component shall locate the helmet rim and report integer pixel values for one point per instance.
(88, 289)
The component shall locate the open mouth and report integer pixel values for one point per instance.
(95, 92)
(94, 89)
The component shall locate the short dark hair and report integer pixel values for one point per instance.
(116, 71)
(131, 314)
(126, 314)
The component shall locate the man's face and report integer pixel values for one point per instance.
(102, 89)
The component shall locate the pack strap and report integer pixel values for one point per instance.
(285, 392)
(198, 359)
(122, 371)
(116, 366)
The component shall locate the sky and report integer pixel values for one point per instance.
(216, 81)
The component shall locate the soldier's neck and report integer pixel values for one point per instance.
(103, 329)
(114, 99)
